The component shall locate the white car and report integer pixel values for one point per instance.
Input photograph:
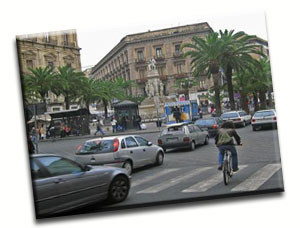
(240, 118)
(264, 118)
(127, 151)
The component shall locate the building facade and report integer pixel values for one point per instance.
(130, 57)
(53, 49)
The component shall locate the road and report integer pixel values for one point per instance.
(193, 174)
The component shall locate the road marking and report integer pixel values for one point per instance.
(174, 181)
(208, 183)
(258, 178)
(150, 178)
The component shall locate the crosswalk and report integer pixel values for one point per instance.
(202, 179)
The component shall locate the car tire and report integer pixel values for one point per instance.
(159, 158)
(119, 189)
(128, 166)
(193, 146)
(206, 140)
(244, 124)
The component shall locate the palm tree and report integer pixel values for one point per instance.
(38, 83)
(68, 84)
(236, 55)
(206, 57)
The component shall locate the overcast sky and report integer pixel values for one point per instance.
(97, 42)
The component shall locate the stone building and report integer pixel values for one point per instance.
(263, 47)
(53, 49)
(130, 57)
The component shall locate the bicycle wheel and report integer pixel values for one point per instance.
(226, 171)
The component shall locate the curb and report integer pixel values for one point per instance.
(141, 132)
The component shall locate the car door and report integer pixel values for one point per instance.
(73, 185)
(134, 151)
(149, 152)
(201, 134)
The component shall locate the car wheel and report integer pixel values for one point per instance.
(206, 140)
(193, 146)
(128, 166)
(159, 158)
(118, 189)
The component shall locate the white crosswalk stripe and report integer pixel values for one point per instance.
(174, 181)
(258, 178)
(150, 178)
(208, 183)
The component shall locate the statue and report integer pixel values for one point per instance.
(161, 88)
(152, 65)
(151, 91)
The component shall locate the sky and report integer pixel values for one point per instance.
(97, 42)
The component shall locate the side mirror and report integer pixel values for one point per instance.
(87, 168)
(149, 143)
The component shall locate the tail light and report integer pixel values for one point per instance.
(253, 120)
(186, 139)
(78, 148)
(215, 126)
(159, 142)
(238, 119)
(274, 118)
(116, 144)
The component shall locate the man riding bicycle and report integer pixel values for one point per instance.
(224, 141)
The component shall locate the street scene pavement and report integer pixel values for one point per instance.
(189, 174)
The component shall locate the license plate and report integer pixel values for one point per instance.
(172, 140)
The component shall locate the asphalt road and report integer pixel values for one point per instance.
(193, 174)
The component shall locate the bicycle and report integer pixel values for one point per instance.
(227, 166)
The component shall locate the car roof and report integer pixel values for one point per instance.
(110, 137)
(266, 110)
(176, 125)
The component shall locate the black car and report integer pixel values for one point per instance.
(212, 124)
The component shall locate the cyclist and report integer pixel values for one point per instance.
(224, 141)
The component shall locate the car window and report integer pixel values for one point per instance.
(141, 141)
(191, 129)
(36, 170)
(130, 142)
(264, 113)
(205, 122)
(229, 115)
(123, 144)
(98, 146)
(57, 166)
(242, 113)
(174, 130)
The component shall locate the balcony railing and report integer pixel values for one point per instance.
(177, 54)
(140, 60)
(160, 57)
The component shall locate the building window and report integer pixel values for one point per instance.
(177, 49)
(51, 64)
(180, 68)
(160, 70)
(29, 63)
(140, 55)
(66, 39)
(158, 52)
(69, 65)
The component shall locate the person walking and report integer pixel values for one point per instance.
(99, 127)
(114, 124)
(33, 137)
(177, 114)
(138, 121)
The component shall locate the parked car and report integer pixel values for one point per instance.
(239, 118)
(129, 152)
(61, 184)
(212, 124)
(182, 135)
(264, 118)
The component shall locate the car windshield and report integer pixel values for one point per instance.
(265, 113)
(205, 122)
(229, 115)
(99, 146)
(173, 130)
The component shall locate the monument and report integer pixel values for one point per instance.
(153, 105)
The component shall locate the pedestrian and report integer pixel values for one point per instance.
(33, 137)
(99, 127)
(62, 130)
(138, 121)
(177, 114)
(42, 132)
(200, 113)
(52, 132)
(114, 124)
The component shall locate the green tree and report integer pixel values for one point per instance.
(38, 83)
(185, 84)
(68, 83)
(236, 56)
(206, 58)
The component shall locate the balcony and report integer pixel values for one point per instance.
(160, 57)
(140, 60)
(141, 80)
(163, 77)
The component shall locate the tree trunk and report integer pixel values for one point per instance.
(105, 103)
(271, 104)
(217, 94)
(244, 103)
(87, 105)
(67, 102)
(255, 99)
(262, 98)
(230, 87)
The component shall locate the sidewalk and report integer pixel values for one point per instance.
(151, 128)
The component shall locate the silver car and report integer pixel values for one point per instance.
(61, 184)
(129, 152)
(263, 119)
(182, 135)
